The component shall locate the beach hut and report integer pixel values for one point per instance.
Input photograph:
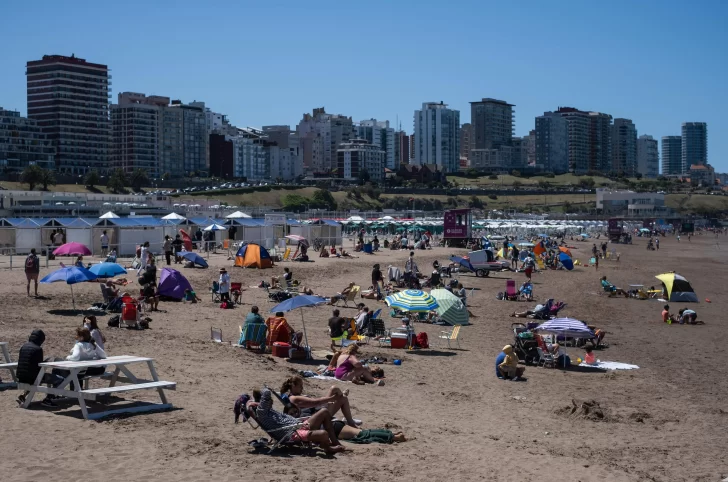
(126, 234)
(27, 235)
(251, 255)
(325, 230)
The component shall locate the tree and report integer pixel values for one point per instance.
(516, 184)
(32, 176)
(47, 178)
(139, 178)
(544, 184)
(475, 202)
(587, 182)
(363, 177)
(117, 180)
(515, 173)
(92, 178)
(166, 176)
(325, 199)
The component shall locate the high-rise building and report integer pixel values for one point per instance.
(23, 144)
(519, 153)
(600, 142)
(402, 147)
(624, 147)
(694, 144)
(672, 155)
(466, 131)
(437, 140)
(380, 134)
(648, 157)
(359, 155)
(577, 126)
(492, 123)
(164, 139)
(285, 156)
(411, 149)
(69, 98)
(321, 134)
(552, 143)
(531, 153)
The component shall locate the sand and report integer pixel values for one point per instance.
(663, 422)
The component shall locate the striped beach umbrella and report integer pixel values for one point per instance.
(451, 309)
(412, 300)
(569, 327)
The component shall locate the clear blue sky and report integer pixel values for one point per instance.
(659, 63)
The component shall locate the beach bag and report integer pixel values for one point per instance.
(30, 263)
(421, 340)
(500, 296)
(225, 305)
(114, 321)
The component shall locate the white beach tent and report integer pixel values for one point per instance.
(174, 217)
(109, 215)
(238, 215)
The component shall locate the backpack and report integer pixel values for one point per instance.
(225, 305)
(421, 340)
(114, 321)
(30, 262)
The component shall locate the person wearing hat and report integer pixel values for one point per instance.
(507, 365)
(224, 284)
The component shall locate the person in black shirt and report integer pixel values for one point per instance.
(336, 327)
(177, 245)
(376, 279)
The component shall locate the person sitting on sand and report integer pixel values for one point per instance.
(358, 246)
(151, 295)
(507, 363)
(299, 405)
(688, 316)
(79, 262)
(317, 429)
(323, 253)
(190, 296)
(590, 358)
(350, 369)
(287, 277)
(611, 289)
(668, 317)
(340, 296)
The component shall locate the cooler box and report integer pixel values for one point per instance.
(297, 354)
(280, 349)
(399, 340)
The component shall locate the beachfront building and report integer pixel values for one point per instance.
(22, 143)
(402, 149)
(379, 134)
(466, 133)
(577, 128)
(320, 134)
(552, 143)
(436, 136)
(69, 98)
(359, 155)
(648, 157)
(672, 163)
(492, 123)
(629, 203)
(600, 142)
(694, 143)
(624, 147)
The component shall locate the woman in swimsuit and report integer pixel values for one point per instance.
(349, 369)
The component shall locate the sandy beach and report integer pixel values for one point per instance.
(663, 422)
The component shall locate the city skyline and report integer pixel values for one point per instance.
(657, 105)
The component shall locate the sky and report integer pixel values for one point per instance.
(657, 62)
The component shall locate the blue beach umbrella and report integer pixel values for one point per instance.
(566, 261)
(107, 270)
(194, 257)
(301, 302)
(71, 275)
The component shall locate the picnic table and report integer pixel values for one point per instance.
(82, 393)
(8, 363)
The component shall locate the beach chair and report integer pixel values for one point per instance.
(236, 289)
(215, 292)
(452, 335)
(526, 292)
(253, 336)
(216, 334)
(511, 291)
(545, 359)
(280, 437)
(105, 294)
(130, 313)
(350, 296)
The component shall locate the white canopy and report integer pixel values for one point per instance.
(173, 216)
(215, 227)
(355, 218)
(109, 215)
(238, 215)
(386, 218)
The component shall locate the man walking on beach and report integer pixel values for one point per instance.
(32, 269)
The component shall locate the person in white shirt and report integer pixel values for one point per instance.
(143, 257)
(85, 347)
(361, 318)
(58, 238)
(92, 326)
(224, 283)
(104, 244)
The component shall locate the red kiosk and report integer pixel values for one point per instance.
(457, 226)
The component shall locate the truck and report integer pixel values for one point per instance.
(481, 263)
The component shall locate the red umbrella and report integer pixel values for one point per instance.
(72, 249)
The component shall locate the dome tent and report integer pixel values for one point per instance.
(251, 255)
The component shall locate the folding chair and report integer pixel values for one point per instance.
(449, 336)
(378, 331)
(511, 291)
(216, 334)
(545, 359)
(255, 339)
(130, 313)
(236, 291)
(215, 292)
(350, 296)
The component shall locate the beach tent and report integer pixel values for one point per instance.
(172, 284)
(566, 261)
(252, 255)
(678, 288)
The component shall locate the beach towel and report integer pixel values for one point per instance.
(610, 365)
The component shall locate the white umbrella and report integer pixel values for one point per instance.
(238, 215)
(109, 215)
(174, 216)
(355, 218)
(215, 227)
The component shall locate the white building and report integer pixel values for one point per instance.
(437, 136)
(648, 157)
(380, 134)
(631, 203)
(491, 160)
(359, 155)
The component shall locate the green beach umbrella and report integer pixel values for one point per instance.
(451, 309)
(412, 300)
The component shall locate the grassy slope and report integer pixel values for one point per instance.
(507, 180)
(16, 186)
